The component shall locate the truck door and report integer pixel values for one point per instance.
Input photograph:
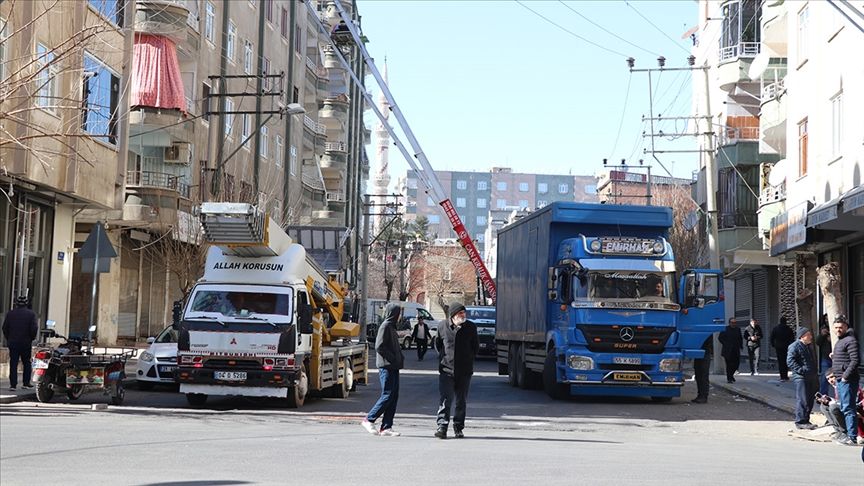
(702, 309)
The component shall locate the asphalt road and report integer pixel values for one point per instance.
(513, 437)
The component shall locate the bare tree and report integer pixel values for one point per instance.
(448, 273)
(828, 278)
(684, 235)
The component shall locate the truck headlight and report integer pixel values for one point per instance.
(146, 356)
(580, 362)
(659, 247)
(670, 365)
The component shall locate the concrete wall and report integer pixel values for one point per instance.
(61, 270)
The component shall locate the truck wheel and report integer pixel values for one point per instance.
(44, 392)
(74, 392)
(517, 366)
(297, 393)
(555, 390)
(196, 399)
(342, 390)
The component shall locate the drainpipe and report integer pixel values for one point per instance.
(259, 87)
(289, 93)
(350, 171)
(223, 71)
(357, 212)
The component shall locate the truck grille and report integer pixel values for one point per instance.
(626, 339)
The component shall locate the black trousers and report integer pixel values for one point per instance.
(422, 347)
(781, 363)
(19, 351)
(453, 388)
(701, 368)
(805, 394)
(732, 364)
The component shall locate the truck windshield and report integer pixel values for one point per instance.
(233, 303)
(616, 284)
(474, 314)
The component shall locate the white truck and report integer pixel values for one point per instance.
(264, 320)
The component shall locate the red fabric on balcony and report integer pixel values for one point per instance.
(156, 80)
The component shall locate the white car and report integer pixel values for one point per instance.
(157, 364)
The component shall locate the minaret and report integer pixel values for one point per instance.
(381, 181)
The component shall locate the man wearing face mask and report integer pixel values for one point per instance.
(457, 344)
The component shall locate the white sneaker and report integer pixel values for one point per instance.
(369, 426)
(389, 433)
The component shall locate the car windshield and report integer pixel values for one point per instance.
(474, 314)
(168, 335)
(615, 284)
(241, 303)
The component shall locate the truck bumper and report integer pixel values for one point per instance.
(594, 389)
(625, 374)
(254, 378)
(241, 391)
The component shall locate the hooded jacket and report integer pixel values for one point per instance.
(457, 347)
(845, 360)
(388, 353)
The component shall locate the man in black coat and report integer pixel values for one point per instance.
(802, 363)
(753, 339)
(20, 329)
(420, 335)
(389, 359)
(731, 342)
(845, 362)
(781, 337)
(457, 344)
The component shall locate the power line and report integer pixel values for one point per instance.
(623, 112)
(570, 31)
(604, 29)
(658, 28)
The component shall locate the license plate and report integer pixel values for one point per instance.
(627, 361)
(230, 375)
(167, 369)
(39, 364)
(627, 376)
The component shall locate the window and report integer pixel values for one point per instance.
(481, 203)
(482, 185)
(481, 220)
(284, 24)
(229, 117)
(293, 161)
(462, 185)
(3, 38)
(412, 183)
(837, 125)
(542, 188)
(541, 203)
(247, 127)
(460, 202)
(278, 155)
(429, 201)
(46, 80)
(591, 189)
(268, 10)
(262, 146)
(210, 22)
(501, 203)
(501, 186)
(803, 20)
(523, 187)
(231, 41)
(247, 57)
(298, 39)
(433, 219)
(563, 188)
(205, 102)
(110, 9)
(523, 203)
(101, 93)
(802, 148)
(265, 69)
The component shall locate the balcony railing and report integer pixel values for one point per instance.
(157, 180)
(316, 127)
(773, 90)
(738, 219)
(335, 147)
(772, 194)
(731, 135)
(742, 49)
(335, 196)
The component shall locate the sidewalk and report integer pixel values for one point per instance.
(764, 388)
(21, 394)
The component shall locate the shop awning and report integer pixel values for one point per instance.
(824, 213)
(843, 213)
(854, 200)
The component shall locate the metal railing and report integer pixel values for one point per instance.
(773, 90)
(158, 180)
(742, 49)
(730, 135)
(311, 64)
(316, 127)
(335, 147)
(772, 194)
(335, 196)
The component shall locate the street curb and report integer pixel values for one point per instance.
(23, 397)
(756, 397)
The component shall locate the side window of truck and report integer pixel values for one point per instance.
(710, 288)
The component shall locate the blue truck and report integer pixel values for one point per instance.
(589, 304)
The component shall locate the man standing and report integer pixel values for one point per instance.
(420, 335)
(845, 363)
(802, 363)
(823, 343)
(781, 337)
(701, 369)
(753, 338)
(457, 344)
(20, 329)
(732, 342)
(389, 359)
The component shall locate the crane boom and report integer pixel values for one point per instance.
(425, 172)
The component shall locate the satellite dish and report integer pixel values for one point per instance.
(691, 220)
(778, 173)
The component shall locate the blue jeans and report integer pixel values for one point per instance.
(805, 394)
(847, 393)
(386, 404)
(824, 367)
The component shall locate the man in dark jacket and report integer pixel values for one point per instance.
(457, 344)
(731, 343)
(389, 359)
(420, 335)
(845, 363)
(753, 339)
(802, 362)
(781, 337)
(20, 329)
(823, 343)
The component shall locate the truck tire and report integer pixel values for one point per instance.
(297, 393)
(343, 390)
(196, 399)
(555, 390)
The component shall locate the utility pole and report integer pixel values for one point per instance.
(364, 282)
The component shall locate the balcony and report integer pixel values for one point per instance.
(334, 112)
(166, 18)
(336, 147)
(337, 197)
(774, 24)
(331, 15)
(773, 118)
(332, 162)
(157, 180)
(313, 126)
(772, 202)
(734, 65)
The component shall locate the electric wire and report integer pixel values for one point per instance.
(570, 31)
(657, 28)
(604, 29)
(623, 112)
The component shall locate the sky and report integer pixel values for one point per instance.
(491, 84)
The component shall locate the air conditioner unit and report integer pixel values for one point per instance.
(178, 153)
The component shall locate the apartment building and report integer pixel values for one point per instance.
(616, 186)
